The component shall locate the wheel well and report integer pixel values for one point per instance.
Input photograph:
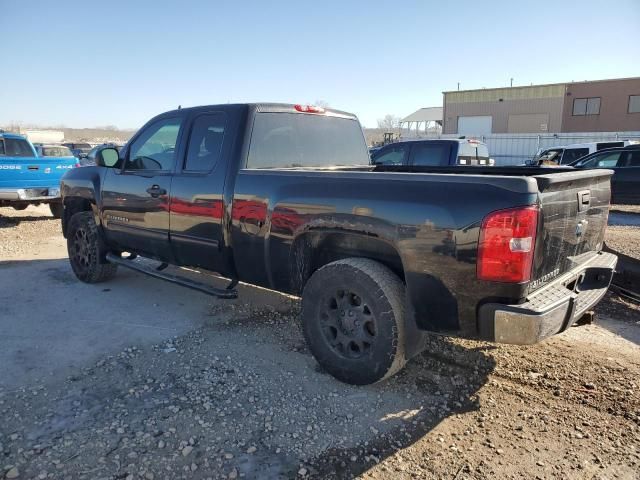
(73, 205)
(313, 250)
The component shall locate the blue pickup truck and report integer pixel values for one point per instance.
(28, 179)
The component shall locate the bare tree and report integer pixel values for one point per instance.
(389, 122)
(321, 103)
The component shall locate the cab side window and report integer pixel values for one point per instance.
(205, 143)
(604, 160)
(155, 148)
(573, 154)
(632, 160)
(394, 155)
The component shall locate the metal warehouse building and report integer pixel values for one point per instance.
(593, 106)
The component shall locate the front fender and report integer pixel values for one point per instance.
(81, 190)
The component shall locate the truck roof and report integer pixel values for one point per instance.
(11, 135)
(456, 140)
(266, 107)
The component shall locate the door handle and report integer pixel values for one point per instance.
(156, 191)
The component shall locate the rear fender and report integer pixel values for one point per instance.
(315, 248)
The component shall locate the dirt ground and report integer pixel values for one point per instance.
(234, 393)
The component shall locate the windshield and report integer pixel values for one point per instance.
(15, 147)
(289, 140)
(56, 152)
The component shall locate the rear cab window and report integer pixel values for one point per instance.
(431, 154)
(15, 147)
(300, 140)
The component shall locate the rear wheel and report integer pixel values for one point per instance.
(56, 209)
(353, 320)
(87, 250)
(20, 206)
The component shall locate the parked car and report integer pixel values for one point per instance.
(625, 162)
(295, 207)
(564, 155)
(433, 153)
(90, 158)
(52, 150)
(373, 150)
(79, 150)
(28, 179)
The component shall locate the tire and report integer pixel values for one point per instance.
(56, 209)
(353, 320)
(20, 207)
(87, 250)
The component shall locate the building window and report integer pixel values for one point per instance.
(586, 106)
(634, 103)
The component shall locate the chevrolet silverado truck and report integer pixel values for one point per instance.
(283, 197)
(28, 179)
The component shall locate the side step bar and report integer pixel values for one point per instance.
(228, 293)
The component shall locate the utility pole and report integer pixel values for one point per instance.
(512, 81)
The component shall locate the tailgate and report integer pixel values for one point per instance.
(574, 213)
(29, 172)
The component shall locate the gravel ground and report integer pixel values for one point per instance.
(624, 240)
(624, 237)
(241, 397)
(22, 230)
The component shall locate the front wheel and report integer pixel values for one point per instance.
(87, 251)
(353, 320)
(56, 209)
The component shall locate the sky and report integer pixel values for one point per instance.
(96, 63)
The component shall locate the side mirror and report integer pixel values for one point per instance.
(107, 157)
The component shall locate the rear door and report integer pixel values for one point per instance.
(434, 153)
(197, 192)
(135, 199)
(626, 181)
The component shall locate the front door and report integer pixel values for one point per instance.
(135, 199)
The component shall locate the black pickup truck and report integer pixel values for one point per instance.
(284, 197)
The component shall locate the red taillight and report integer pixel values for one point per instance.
(77, 165)
(507, 242)
(309, 109)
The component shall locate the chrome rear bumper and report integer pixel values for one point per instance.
(551, 309)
